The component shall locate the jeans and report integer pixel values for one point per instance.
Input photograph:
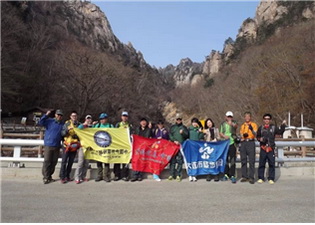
(66, 164)
(248, 149)
(230, 161)
(83, 165)
(51, 155)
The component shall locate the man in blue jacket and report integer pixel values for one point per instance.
(52, 143)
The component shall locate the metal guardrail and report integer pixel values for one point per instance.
(18, 143)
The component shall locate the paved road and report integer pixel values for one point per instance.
(291, 199)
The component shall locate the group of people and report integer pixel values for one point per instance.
(58, 132)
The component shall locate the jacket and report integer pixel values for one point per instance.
(268, 134)
(176, 136)
(161, 133)
(68, 133)
(195, 134)
(106, 125)
(53, 127)
(207, 134)
(146, 132)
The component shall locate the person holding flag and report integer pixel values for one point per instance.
(124, 172)
(144, 131)
(83, 164)
(103, 123)
(70, 147)
(195, 134)
(160, 133)
(178, 134)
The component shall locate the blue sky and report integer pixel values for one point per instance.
(168, 31)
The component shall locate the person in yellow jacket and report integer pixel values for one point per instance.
(70, 147)
(248, 133)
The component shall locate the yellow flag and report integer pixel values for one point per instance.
(107, 145)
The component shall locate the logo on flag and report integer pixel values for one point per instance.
(152, 155)
(107, 145)
(102, 139)
(203, 158)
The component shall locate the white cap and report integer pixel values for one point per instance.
(229, 113)
(88, 116)
(124, 113)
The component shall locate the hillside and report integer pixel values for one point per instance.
(269, 68)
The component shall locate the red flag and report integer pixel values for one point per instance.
(152, 155)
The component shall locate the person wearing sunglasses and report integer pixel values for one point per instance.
(266, 136)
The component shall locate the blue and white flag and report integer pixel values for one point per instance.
(205, 157)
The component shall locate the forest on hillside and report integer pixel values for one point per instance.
(276, 76)
(42, 65)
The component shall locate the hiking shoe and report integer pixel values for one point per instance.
(251, 181)
(178, 178)
(190, 178)
(69, 179)
(46, 181)
(225, 178)
(107, 179)
(233, 179)
(116, 179)
(244, 180)
(77, 181)
(63, 181)
(98, 179)
(216, 179)
(260, 181)
(208, 178)
(170, 178)
(156, 177)
(125, 179)
(195, 179)
(133, 179)
(271, 182)
(139, 178)
(51, 180)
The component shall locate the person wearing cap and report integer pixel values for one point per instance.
(160, 133)
(228, 131)
(248, 133)
(103, 123)
(144, 131)
(195, 134)
(266, 136)
(83, 164)
(124, 172)
(52, 143)
(70, 146)
(178, 134)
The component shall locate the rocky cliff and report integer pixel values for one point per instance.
(270, 16)
(88, 24)
(186, 72)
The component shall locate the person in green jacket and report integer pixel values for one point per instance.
(178, 134)
(103, 123)
(195, 134)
